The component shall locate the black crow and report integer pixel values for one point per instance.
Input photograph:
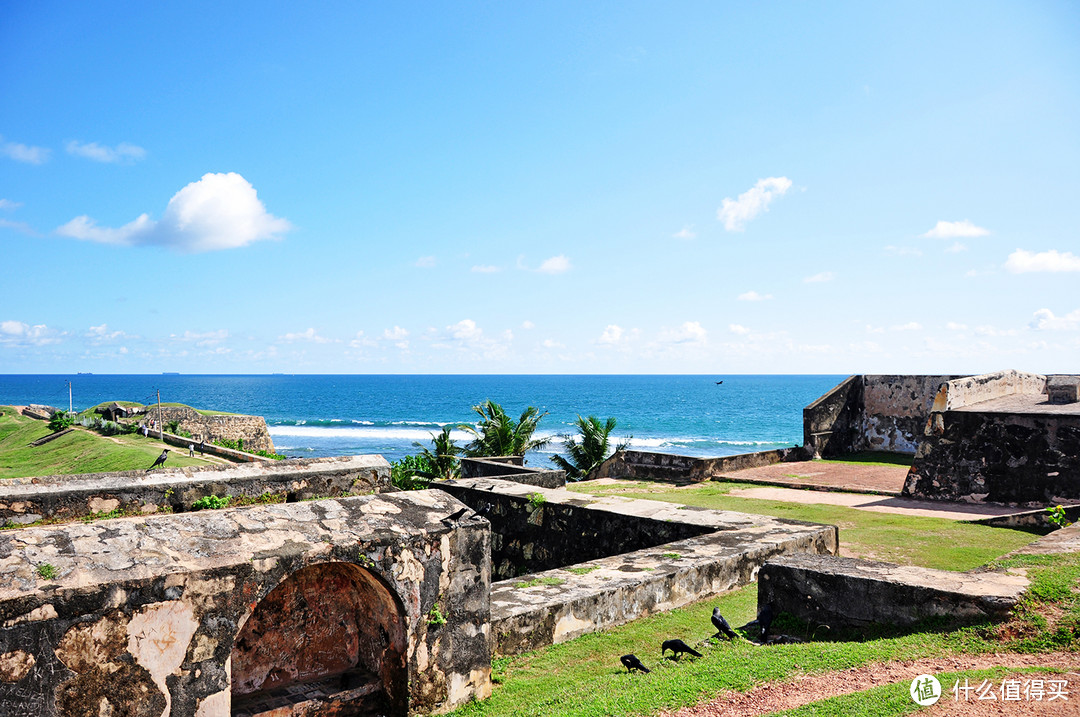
(721, 625)
(631, 662)
(455, 516)
(764, 621)
(678, 647)
(160, 460)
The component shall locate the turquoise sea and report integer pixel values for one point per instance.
(321, 415)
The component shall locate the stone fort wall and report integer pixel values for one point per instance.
(232, 427)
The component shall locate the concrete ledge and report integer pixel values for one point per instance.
(67, 497)
(672, 468)
(512, 468)
(848, 592)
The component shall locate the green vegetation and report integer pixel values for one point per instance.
(589, 449)
(441, 458)
(1057, 516)
(435, 616)
(496, 434)
(584, 677)
(61, 420)
(211, 502)
(536, 499)
(410, 473)
(77, 452)
(582, 570)
(47, 571)
(908, 540)
(539, 581)
(872, 458)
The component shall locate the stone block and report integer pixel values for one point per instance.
(1063, 389)
(853, 593)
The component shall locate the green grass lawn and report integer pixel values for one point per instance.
(80, 451)
(584, 676)
(908, 540)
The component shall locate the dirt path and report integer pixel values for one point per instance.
(778, 696)
(877, 503)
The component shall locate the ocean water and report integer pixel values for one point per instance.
(323, 415)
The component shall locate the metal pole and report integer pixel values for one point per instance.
(160, 419)
(69, 397)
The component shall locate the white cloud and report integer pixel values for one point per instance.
(207, 338)
(1044, 319)
(686, 232)
(875, 329)
(550, 344)
(123, 152)
(467, 336)
(735, 213)
(361, 341)
(753, 296)
(101, 334)
(953, 326)
(611, 334)
(23, 153)
(738, 329)
(527, 325)
(425, 262)
(21, 227)
(7, 205)
(18, 333)
(1022, 262)
(819, 278)
(465, 330)
(309, 335)
(220, 211)
(690, 332)
(555, 265)
(398, 336)
(909, 326)
(485, 269)
(988, 330)
(956, 248)
(956, 230)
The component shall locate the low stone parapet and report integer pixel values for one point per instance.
(69, 497)
(850, 592)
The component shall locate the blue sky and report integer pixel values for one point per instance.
(774, 187)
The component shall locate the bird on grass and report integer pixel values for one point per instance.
(764, 621)
(631, 663)
(455, 516)
(721, 625)
(160, 460)
(678, 647)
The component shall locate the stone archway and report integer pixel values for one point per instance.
(329, 634)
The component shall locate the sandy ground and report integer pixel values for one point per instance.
(877, 503)
(858, 477)
(778, 696)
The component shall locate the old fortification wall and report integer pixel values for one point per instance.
(69, 497)
(671, 468)
(996, 438)
(231, 427)
(871, 413)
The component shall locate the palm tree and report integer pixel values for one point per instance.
(590, 450)
(442, 456)
(496, 434)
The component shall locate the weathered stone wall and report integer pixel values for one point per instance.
(1015, 458)
(530, 534)
(870, 413)
(671, 468)
(969, 390)
(232, 427)
(141, 615)
(68, 497)
(853, 593)
(512, 468)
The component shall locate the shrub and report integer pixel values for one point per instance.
(211, 502)
(411, 472)
(61, 420)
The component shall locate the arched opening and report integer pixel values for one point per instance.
(329, 634)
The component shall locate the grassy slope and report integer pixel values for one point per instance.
(77, 452)
(584, 677)
(926, 542)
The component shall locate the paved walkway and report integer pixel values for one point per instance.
(821, 475)
(877, 503)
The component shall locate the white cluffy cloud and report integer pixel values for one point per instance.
(220, 211)
(735, 213)
(8, 206)
(612, 334)
(123, 152)
(690, 332)
(819, 278)
(23, 153)
(309, 335)
(485, 269)
(1045, 319)
(686, 232)
(16, 332)
(738, 329)
(555, 265)
(753, 296)
(956, 230)
(1022, 262)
